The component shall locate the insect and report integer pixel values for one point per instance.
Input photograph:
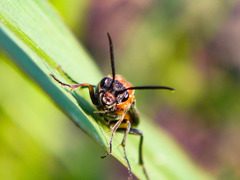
(115, 101)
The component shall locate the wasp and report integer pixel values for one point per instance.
(116, 103)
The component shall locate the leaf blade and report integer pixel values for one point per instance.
(38, 41)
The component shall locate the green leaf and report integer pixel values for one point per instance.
(37, 40)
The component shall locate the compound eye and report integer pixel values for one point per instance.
(105, 82)
(125, 96)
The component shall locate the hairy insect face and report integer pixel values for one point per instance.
(109, 95)
(107, 100)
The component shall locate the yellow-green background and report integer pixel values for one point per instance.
(191, 46)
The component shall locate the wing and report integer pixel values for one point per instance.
(133, 114)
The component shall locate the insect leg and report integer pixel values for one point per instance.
(90, 87)
(113, 130)
(139, 133)
(69, 77)
(124, 148)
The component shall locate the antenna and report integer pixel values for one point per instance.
(151, 87)
(112, 58)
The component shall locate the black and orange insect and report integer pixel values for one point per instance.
(115, 101)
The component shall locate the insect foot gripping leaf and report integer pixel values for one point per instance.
(115, 101)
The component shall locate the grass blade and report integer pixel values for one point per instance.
(33, 34)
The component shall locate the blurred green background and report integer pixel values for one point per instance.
(191, 46)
